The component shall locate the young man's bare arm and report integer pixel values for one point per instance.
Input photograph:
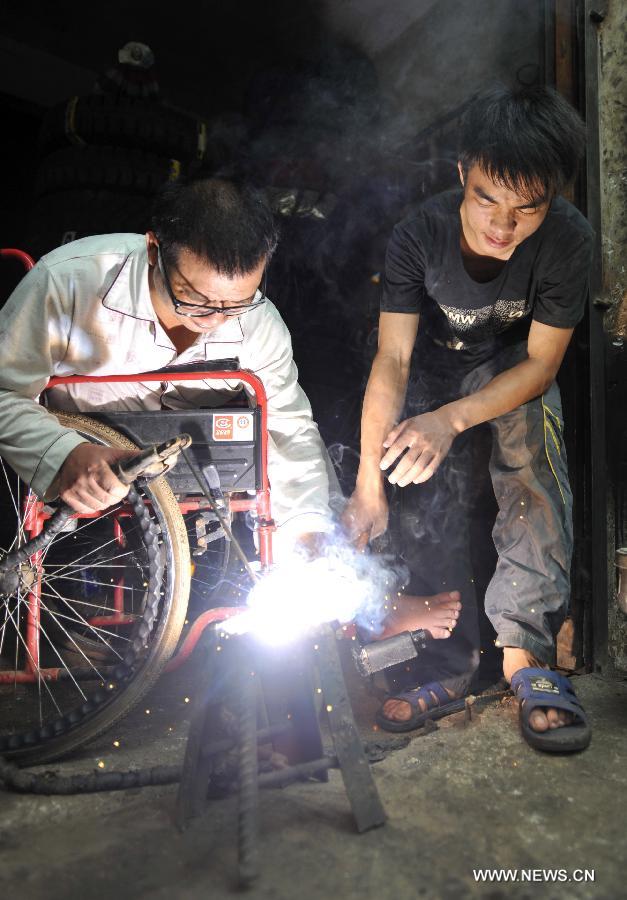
(366, 513)
(428, 438)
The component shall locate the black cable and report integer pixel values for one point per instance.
(24, 782)
(206, 491)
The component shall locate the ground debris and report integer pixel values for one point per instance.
(377, 750)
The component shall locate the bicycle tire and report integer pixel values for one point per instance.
(159, 637)
(104, 168)
(123, 122)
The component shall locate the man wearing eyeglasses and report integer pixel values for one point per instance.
(191, 289)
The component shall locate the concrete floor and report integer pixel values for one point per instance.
(468, 795)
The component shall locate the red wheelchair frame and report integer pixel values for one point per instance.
(35, 518)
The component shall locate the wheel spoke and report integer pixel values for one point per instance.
(68, 635)
(94, 628)
(59, 573)
(73, 583)
(41, 679)
(109, 585)
(4, 624)
(73, 601)
(91, 521)
(81, 621)
(13, 501)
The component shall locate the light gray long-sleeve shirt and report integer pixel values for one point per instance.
(85, 309)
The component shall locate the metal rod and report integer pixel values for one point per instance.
(247, 825)
(226, 744)
(283, 777)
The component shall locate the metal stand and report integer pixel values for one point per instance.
(273, 689)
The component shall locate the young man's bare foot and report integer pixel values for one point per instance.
(515, 658)
(437, 614)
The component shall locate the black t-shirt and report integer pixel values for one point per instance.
(545, 279)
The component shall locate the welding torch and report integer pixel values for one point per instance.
(149, 463)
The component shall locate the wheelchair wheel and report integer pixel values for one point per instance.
(95, 616)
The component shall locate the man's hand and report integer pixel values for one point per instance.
(366, 515)
(86, 480)
(425, 441)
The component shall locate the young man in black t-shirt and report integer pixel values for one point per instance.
(483, 287)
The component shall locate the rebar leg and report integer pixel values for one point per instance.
(247, 823)
(358, 781)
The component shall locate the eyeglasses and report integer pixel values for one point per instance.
(198, 310)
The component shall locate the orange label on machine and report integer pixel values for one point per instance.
(233, 427)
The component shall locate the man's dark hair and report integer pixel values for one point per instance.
(527, 140)
(227, 223)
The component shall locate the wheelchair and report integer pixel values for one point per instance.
(95, 617)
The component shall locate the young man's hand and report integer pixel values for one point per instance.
(424, 440)
(86, 480)
(366, 515)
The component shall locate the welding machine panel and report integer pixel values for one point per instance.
(227, 437)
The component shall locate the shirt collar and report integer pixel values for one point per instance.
(126, 291)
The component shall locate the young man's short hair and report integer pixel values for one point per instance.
(530, 140)
(227, 223)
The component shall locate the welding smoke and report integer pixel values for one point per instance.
(340, 585)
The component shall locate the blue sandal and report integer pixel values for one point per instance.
(437, 707)
(541, 688)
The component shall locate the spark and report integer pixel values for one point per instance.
(302, 594)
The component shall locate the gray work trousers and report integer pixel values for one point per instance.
(527, 598)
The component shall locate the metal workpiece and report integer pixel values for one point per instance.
(392, 651)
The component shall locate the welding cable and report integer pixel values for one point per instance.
(205, 488)
(24, 782)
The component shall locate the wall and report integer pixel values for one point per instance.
(613, 141)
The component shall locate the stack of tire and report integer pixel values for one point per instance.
(103, 157)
